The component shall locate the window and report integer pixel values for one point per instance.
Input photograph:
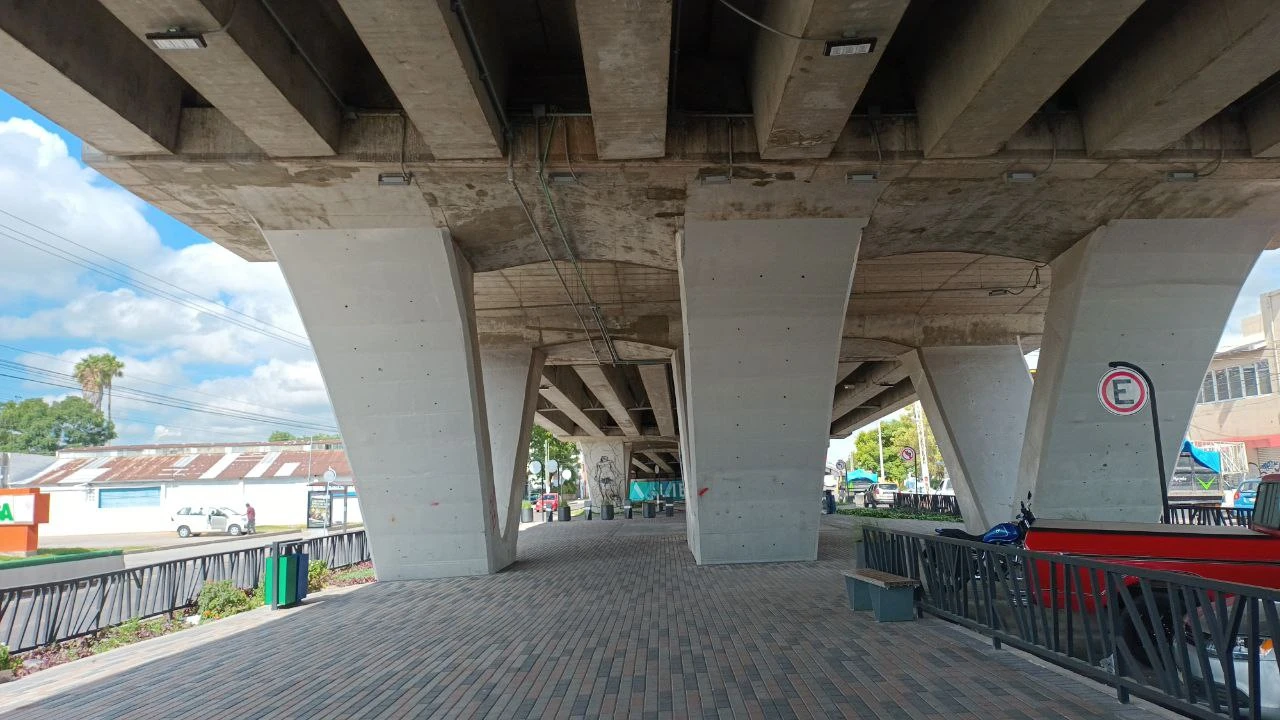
(112, 498)
(1239, 381)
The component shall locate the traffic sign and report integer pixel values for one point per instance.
(908, 454)
(1123, 391)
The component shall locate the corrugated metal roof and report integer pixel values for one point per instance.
(221, 466)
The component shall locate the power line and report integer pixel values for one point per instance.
(134, 378)
(68, 256)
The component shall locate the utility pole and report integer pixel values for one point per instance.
(923, 455)
(880, 445)
(4, 469)
(546, 465)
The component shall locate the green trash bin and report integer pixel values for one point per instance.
(285, 580)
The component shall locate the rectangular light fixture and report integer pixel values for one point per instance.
(177, 40)
(562, 178)
(714, 179)
(1182, 176)
(853, 177)
(394, 179)
(850, 46)
(1020, 176)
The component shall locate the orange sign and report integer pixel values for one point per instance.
(21, 512)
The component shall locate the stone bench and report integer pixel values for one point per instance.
(889, 597)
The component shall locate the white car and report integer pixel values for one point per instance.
(196, 520)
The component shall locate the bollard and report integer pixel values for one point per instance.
(650, 510)
(628, 511)
(589, 511)
(548, 515)
(607, 513)
(671, 510)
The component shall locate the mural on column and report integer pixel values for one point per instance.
(604, 462)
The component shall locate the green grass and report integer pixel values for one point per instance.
(898, 515)
(55, 555)
(353, 574)
(279, 528)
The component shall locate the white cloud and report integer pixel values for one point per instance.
(192, 353)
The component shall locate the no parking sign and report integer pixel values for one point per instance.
(1123, 391)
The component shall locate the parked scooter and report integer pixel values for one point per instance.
(956, 566)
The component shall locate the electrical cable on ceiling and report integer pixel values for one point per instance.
(772, 29)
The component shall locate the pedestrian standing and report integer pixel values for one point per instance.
(252, 516)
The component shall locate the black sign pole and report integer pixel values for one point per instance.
(1155, 425)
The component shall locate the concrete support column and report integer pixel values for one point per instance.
(1152, 292)
(512, 376)
(976, 399)
(606, 464)
(396, 344)
(764, 304)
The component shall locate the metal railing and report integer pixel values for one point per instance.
(37, 615)
(940, 504)
(1210, 515)
(1184, 642)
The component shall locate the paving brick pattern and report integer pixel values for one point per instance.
(638, 631)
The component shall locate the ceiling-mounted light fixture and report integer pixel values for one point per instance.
(1182, 176)
(177, 39)
(395, 179)
(562, 178)
(853, 177)
(850, 46)
(1020, 176)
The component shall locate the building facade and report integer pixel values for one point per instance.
(139, 488)
(1239, 400)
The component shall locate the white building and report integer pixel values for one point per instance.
(138, 488)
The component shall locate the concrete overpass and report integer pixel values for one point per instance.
(684, 238)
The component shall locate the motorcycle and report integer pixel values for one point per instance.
(952, 567)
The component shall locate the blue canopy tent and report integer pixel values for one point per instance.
(859, 475)
(1208, 459)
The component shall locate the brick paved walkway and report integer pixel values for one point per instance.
(640, 631)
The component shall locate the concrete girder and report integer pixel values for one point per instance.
(656, 457)
(890, 401)
(249, 71)
(626, 50)
(1001, 65)
(90, 76)
(1262, 118)
(422, 50)
(1154, 84)
(565, 390)
(869, 381)
(657, 386)
(639, 465)
(554, 422)
(926, 330)
(845, 369)
(803, 98)
(609, 386)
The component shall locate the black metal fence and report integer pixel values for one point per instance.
(39, 615)
(1187, 643)
(1210, 515)
(940, 504)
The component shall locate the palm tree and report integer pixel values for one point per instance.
(95, 373)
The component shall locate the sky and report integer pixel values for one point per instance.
(87, 267)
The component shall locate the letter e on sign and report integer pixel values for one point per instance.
(1122, 391)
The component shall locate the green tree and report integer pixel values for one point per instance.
(564, 453)
(898, 433)
(96, 373)
(282, 436)
(35, 426)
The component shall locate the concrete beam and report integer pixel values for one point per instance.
(1262, 119)
(657, 385)
(610, 388)
(914, 330)
(626, 50)
(656, 457)
(554, 422)
(1001, 65)
(1161, 82)
(639, 464)
(565, 390)
(870, 380)
(250, 72)
(802, 98)
(422, 50)
(890, 401)
(90, 75)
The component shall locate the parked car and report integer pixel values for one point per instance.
(197, 520)
(549, 501)
(880, 494)
(1246, 496)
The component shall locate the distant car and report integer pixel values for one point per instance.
(198, 520)
(549, 501)
(1246, 496)
(879, 494)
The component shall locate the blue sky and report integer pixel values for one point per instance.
(234, 380)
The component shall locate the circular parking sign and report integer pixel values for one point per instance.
(908, 453)
(1123, 391)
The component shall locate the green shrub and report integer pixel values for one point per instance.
(222, 599)
(898, 514)
(317, 575)
(525, 504)
(6, 662)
